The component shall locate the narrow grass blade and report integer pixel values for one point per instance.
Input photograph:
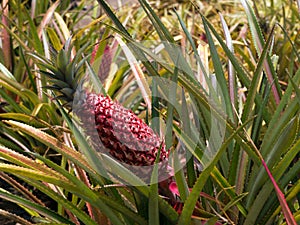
(47, 17)
(192, 199)
(38, 208)
(98, 86)
(61, 200)
(153, 194)
(259, 44)
(14, 217)
(231, 72)
(90, 196)
(53, 143)
(260, 204)
(285, 208)
(137, 71)
(180, 179)
(37, 44)
(219, 71)
(34, 174)
(240, 71)
(280, 147)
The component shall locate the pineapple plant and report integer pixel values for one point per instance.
(109, 127)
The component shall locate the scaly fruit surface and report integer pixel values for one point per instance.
(125, 136)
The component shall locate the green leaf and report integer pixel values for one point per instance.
(259, 44)
(79, 213)
(280, 147)
(240, 71)
(192, 199)
(14, 217)
(222, 82)
(153, 194)
(258, 205)
(33, 174)
(36, 207)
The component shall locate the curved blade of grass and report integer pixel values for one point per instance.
(287, 174)
(23, 118)
(240, 71)
(125, 34)
(258, 205)
(222, 82)
(80, 214)
(231, 73)
(189, 204)
(285, 208)
(290, 196)
(89, 195)
(34, 174)
(137, 71)
(47, 17)
(28, 163)
(153, 194)
(52, 143)
(259, 44)
(38, 208)
(14, 217)
(280, 147)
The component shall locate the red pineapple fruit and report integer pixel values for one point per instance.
(108, 124)
(106, 61)
(126, 137)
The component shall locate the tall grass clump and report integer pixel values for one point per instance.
(158, 112)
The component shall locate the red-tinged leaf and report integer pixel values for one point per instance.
(290, 220)
(47, 17)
